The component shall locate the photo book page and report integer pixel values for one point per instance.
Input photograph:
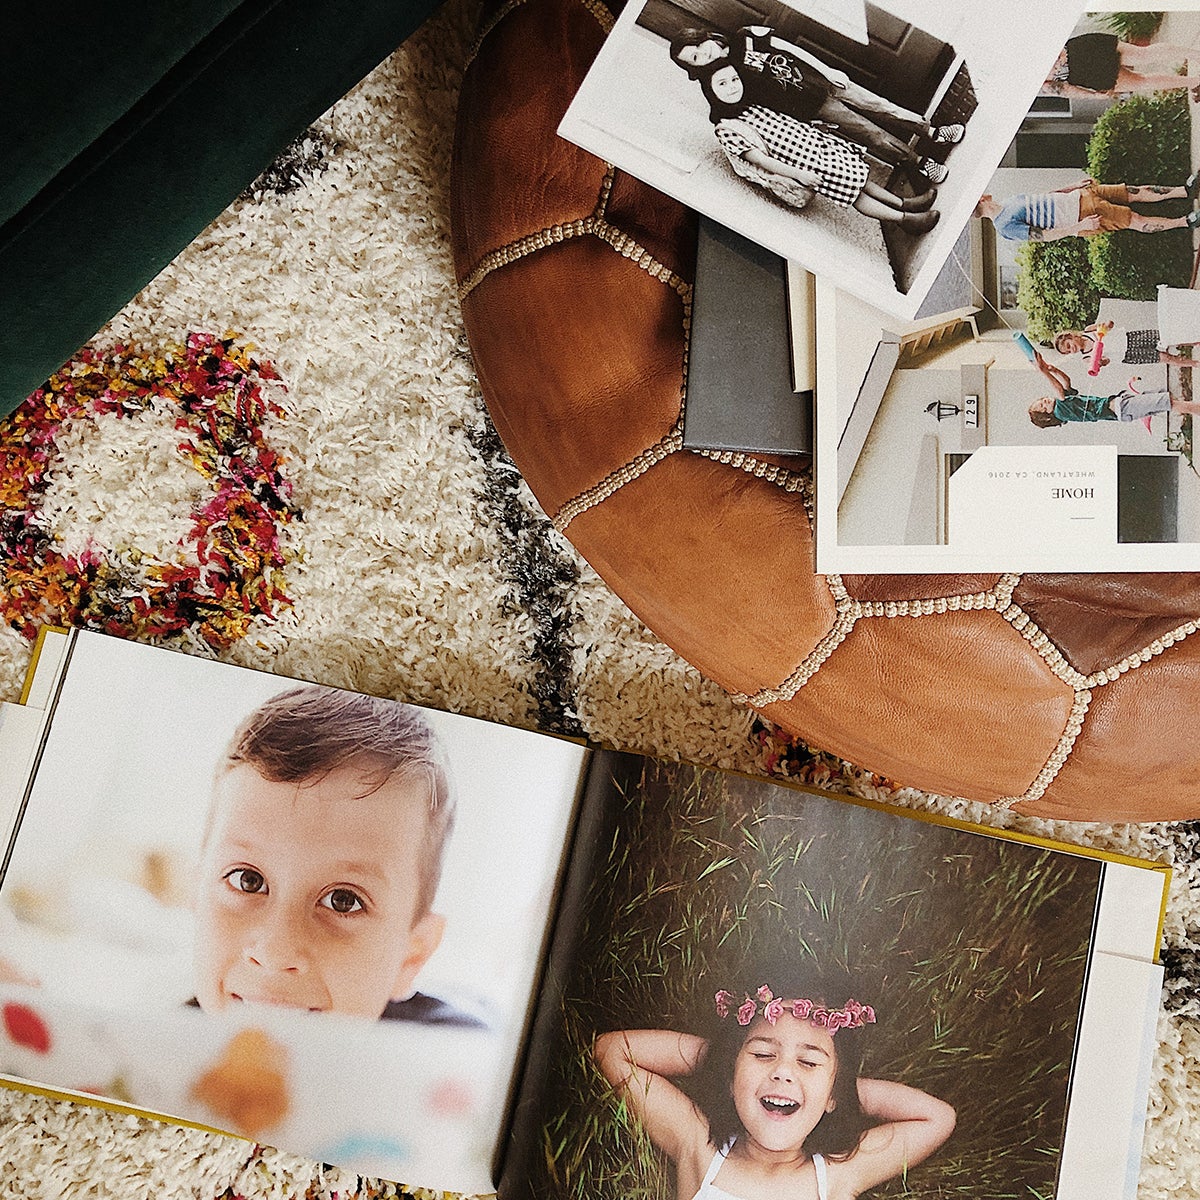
(305, 916)
(1038, 412)
(964, 981)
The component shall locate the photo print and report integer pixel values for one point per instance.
(719, 904)
(1038, 413)
(851, 138)
(285, 910)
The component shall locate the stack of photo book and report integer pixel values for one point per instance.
(467, 956)
(998, 207)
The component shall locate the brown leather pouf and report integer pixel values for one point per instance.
(1072, 696)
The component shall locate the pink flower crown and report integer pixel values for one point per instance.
(851, 1015)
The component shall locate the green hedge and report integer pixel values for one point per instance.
(1142, 140)
(1131, 265)
(1056, 288)
(1130, 26)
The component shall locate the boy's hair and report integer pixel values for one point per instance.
(308, 731)
(1044, 420)
(838, 1133)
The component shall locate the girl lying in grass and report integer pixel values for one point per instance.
(780, 1111)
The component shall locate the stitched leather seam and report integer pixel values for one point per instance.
(603, 17)
(789, 481)
(606, 187)
(805, 671)
(484, 30)
(1058, 756)
(1144, 655)
(631, 249)
(613, 482)
(850, 611)
(552, 235)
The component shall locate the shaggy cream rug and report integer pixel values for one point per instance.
(376, 536)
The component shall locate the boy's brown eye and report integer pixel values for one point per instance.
(247, 879)
(343, 900)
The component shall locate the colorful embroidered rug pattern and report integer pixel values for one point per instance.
(227, 569)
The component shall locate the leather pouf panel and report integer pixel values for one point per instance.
(1073, 696)
(573, 353)
(1098, 620)
(675, 569)
(514, 176)
(883, 695)
(1138, 754)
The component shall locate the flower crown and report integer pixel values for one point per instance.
(851, 1015)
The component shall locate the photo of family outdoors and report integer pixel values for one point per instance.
(283, 909)
(753, 967)
(1040, 408)
(857, 147)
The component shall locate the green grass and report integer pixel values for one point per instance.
(971, 950)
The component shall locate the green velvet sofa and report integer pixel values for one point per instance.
(131, 126)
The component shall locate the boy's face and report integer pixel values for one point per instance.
(306, 895)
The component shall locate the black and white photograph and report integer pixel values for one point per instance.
(853, 139)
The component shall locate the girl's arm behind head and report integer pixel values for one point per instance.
(913, 1124)
(640, 1064)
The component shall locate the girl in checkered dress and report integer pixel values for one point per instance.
(804, 154)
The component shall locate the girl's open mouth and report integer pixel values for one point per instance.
(779, 1105)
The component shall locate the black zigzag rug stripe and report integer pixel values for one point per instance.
(542, 576)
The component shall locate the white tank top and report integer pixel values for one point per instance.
(709, 1190)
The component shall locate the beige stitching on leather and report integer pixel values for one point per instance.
(603, 17)
(789, 481)
(605, 192)
(805, 671)
(837, 589)
(628, 248)
(1005, 586)
(926, 606)
(1058, 757)
(481, 36)
(554, 235)
(1144, 655)
(612, 483)
(997, 597)
(850, 611)
(1049, 653)
(522, 248)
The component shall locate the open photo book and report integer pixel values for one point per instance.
(470, 957)
(1039, 412)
